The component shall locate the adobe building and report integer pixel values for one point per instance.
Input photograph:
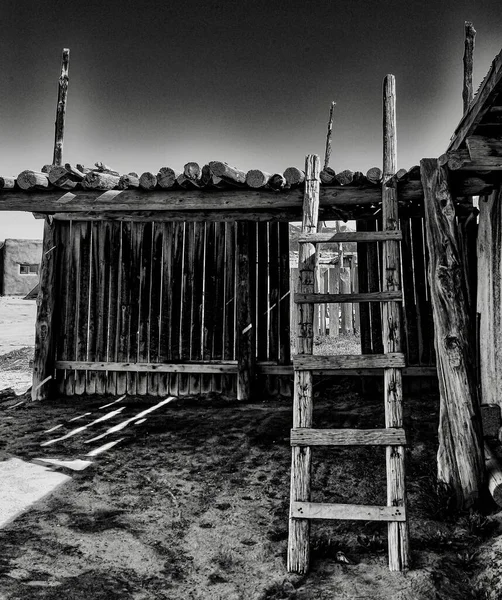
(19, 266)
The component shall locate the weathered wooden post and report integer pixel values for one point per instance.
(246, 326)
(43, 363)
(391, 321)
(334, 308)
(467, 92)
(61, 109)
(460, 454)
(299, 529)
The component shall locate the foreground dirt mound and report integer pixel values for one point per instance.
(192, 504)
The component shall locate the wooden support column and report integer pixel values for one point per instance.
(43, 363)
(460, 454)
(246, 344)
(61, 109)
(299, 529)
(391, 321)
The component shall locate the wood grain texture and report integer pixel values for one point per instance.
(348, 298)
(298, 558)
(144, 367)
(306, 362)
(467, 91)
(57, 158)
(347, 437)
(460, 456)
(391, 338)
(348, 236)
(45, 335)
(350, 512)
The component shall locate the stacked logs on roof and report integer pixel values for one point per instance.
(215, 175)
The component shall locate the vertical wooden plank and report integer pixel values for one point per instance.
(262, 307)
(209, 286)
(71, 317)
(364, 308)
(374, 286)
(273, 337)
(63, 268)
(299, 529)
(100, 301)
(355, 288)
(177, 294)
(228, 382)
(424, 326)
(334, 308)
(92, 316)
(347, 325)
(186, 304)
(219, 301)
(124, 316)
(43, 363)
(165, 352)
(410, 310)
(245, 334)
(113, 258)
(294, 278)
(134, 305)
(197, 305)
(145, 235)
(155, 308)
(284, 307)
(83, 232)
(395, 455)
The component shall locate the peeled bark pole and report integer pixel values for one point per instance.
(43, 362)
(327, 152)
(391, 335)
(467, 92)
(61, 109)
(460, 454)
(299, 529)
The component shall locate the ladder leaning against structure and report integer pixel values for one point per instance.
(303, 437)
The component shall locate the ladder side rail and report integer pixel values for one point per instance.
(299, 529)
(391, 320)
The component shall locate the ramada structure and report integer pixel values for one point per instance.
(179, 283)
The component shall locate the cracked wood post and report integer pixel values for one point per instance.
(467, 92)
(61, 109)
(299, 529)
(246, 326)
(391, 322)
(43, 362)
(460, 455)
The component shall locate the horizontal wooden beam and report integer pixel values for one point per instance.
(348, 298)
(347, 236)
(303, 436)
(349, 512)
(490, 88)
(219, 367)
(482, 148)
(325, 364)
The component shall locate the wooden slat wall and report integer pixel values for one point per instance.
(165, 292)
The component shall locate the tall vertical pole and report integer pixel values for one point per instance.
(393, 389)
(299, 529)
(467, 91)
(57, 159)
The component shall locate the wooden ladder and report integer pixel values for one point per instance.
(303, 437)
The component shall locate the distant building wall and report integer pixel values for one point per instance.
(20, 259)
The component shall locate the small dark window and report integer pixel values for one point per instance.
(28, 269)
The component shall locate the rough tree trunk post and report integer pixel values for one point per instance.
(467, 93)
(391, 325)
(299, 529)
(43, 363)
(61, 109)
(460, 454)
(246, 326)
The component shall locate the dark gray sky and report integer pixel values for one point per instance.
(247, 82)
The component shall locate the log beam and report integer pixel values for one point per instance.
(460, 455)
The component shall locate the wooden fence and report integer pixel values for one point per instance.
(167, 293)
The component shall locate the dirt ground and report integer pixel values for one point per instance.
(193, 504)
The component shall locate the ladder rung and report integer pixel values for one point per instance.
(349, 236)
(304, 436)
(342, 298)
(351, 512)
(324, 364)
